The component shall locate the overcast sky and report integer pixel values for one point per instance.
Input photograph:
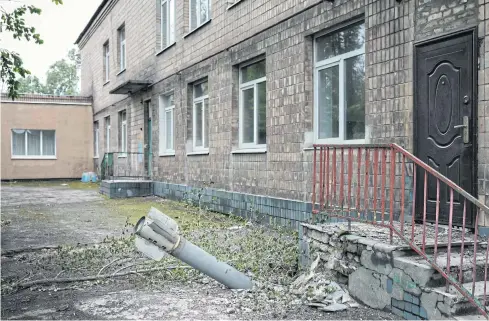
(58, 25)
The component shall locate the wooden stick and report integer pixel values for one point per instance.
(95, 277)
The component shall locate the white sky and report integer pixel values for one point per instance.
(59, 27)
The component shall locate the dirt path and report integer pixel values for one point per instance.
(59, 215)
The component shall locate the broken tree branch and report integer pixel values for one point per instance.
(95, 277)
(123, 259)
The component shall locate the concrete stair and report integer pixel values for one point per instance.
(451, 304)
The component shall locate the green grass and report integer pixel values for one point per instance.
(189, 218)
(74, 184)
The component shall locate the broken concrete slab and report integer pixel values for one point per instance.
(362, 284)
(334, 307)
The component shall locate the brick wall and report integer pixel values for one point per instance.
(285, 170)
(436, 17)
(282, 32)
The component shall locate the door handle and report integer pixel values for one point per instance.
(465, 126)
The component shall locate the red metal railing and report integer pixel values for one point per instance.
(387, 175)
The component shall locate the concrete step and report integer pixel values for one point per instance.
(456, 305)
(426, 276)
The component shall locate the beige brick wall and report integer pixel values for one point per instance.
(281, 31)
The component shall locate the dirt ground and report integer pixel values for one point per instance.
(44, 215)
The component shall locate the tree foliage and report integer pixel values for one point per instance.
(61, 78)
(11, 63)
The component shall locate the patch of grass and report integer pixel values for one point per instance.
(74, 184)
(189, 218)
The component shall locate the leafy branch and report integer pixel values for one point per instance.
(11, 62)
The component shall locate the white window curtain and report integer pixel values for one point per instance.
(18, 142)
(48, 143)
(33, 143)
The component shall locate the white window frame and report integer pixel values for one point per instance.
(107, 133)
(25, 156)
(96, 139)
(242, 87)
(197, 10)
(325, 64)
(165, 150)
(170, 20)
(197, 100)
(122, 40)
(123, 133)
(107, 60)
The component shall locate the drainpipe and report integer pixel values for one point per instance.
(161, 232)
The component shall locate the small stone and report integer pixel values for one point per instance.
(346, 298)
(316, 304)
(231, 311)
(353, 304)
(334, 307)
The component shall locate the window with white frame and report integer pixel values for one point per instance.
(106, 61)
(166, 121)
(200, 112)
(199, 13)
(122, 48)
(123, 131)
(33, 143)
(95, 138)
(107, 133)
(252, 105)
(167, 23)
(339, 85)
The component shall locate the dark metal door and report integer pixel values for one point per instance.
(444, 124)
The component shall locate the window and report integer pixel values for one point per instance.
(200, 128)
(33, 143)
(122, 47)
(340, 85)
(107, 134)
(106, 61)
(167, 23)
(166, 121)
(123, 131)
(252, 105)
(199, 13)
(95, 139)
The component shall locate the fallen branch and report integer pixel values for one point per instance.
(123, 259)
(130, 265)
(44, 247)
(95, 277)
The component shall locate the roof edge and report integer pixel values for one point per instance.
(90, 22)
(40, 98)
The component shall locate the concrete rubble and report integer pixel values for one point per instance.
(313, 288)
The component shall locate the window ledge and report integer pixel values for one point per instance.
(200, 152)
(199, 27)
(308, 148)
(33, 157)
(120, 72)
(122, 156)
(105, 83)
(250, 151)
(166, 154)
(96, 157)
(165, 49)
(235, 4)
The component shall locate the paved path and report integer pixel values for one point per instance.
(41, 216)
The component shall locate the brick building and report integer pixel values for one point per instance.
(237, 92)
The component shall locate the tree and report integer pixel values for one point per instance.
(62, 77)
(32, 85)
(12, 65)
